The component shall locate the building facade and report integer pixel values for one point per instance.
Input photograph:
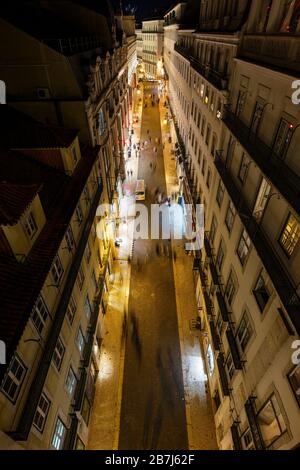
(153, 42)
(65, 136)
(139, 43)
(236, 129)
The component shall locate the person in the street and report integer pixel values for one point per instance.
(151, 165)
(131, 173)
(157, 249)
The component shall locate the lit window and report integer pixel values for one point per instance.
(57, 270)
(59, 435)
(244, 247)
(30, 225)
(71, 382)
(244, 332)
(41, 413)
(58, 354)
(271, 421)
(39, 314)
(283, 138)
(80, 341)
(290, 235)
(13, 378)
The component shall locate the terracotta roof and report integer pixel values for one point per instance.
(14, 200)
(19, 131)
(21, 283)
(21, 170)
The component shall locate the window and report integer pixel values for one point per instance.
(243, 168)
(71, 382)
(213, 230)
(220, 193)
(294, 379)
(86, 195)
(70, 238)
(283, 138)
(257, 117)
(230, 366)
(261, 293)
(13, 378)
(39, 314)
(80, 341)
(57, 270)
(220, 256)
(86, 410)
(30, 225)
(71, 310)
(290, 235)
(58, 354)
(208, 178)
(80, 278)
(230, 216)
(271, 421)
(244, 332)
(203, 127)
(87, 307)
(262, 200)
(230, 289)
(208, 134)
(41, 413)
(247, 440)
(220, 324)
(101, 123)
(79, 215)
(244, 247)
(59, 435)
(88, 252)
(94, 280)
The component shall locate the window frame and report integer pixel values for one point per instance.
(42, 412)
(284, 229)
(257, 288)
(41, 319)
(19, 381)
(58, 268)
(62, 437)
(244, 244)
(29, 221)
(58, 354)
(248, 331)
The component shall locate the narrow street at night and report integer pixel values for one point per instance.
(153, 407)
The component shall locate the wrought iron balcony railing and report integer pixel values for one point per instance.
(213, 76)
(279, 277)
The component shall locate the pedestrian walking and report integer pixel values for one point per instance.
(174, 256)
(131, 173)
(157, 249)
(150, 139)
(148, 131)
(127, 173)
(151, 166)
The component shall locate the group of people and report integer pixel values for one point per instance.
(153, 99)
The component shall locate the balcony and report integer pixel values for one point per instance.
(277, 50)
(75, 45)
(214, 77)
(275, 169)
(254, 426)
(211, 75)
(279, 277)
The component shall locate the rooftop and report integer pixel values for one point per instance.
(31, 133)
(14, 200)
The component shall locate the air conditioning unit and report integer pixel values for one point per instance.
(43, 93)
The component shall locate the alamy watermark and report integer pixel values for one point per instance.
(296, 94)
(164, 222)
